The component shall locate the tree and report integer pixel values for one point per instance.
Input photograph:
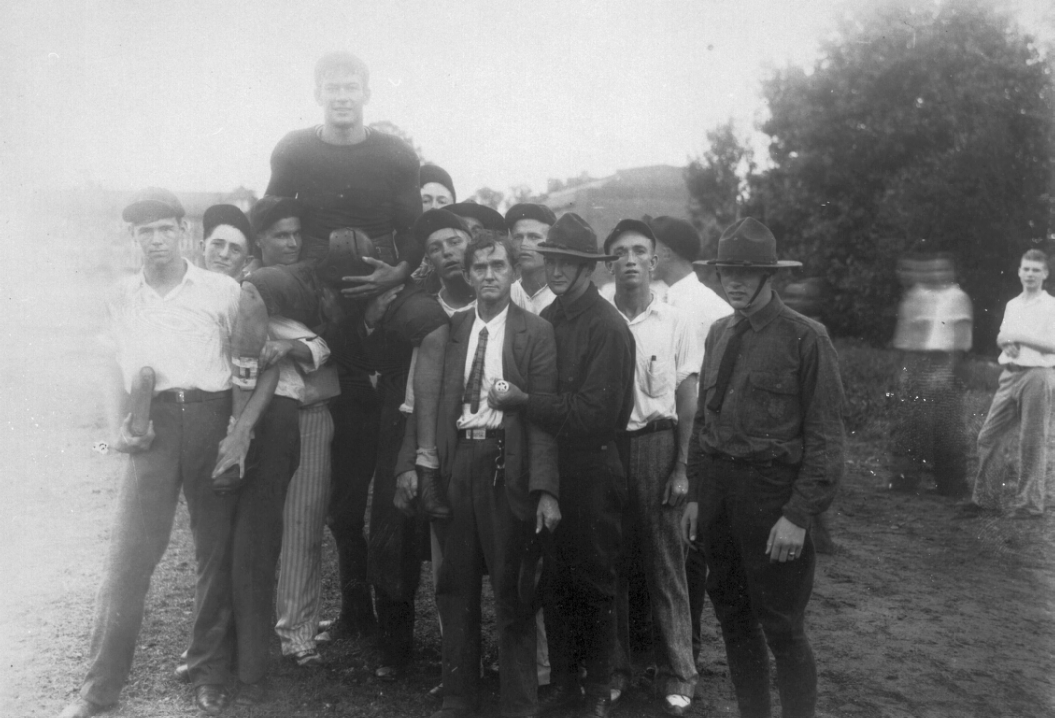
(717, 183)
(522, 193)
(391, 128)
(490, 197)
(917, 126)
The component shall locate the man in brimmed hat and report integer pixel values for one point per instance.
(478, 217)
(177, 320)
(593, 401)
(654, 448)
(766, 457)
(528, 225)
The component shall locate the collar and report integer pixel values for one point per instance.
(580, 305)
(764, 316)
(541, 289)
(192, 273)
(496, 321)
(652, 308)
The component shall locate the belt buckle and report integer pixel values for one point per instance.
(478, 434)
(181, 397)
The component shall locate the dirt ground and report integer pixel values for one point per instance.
(914, 614)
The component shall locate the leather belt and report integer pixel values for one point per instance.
(190, 396)
(481, 434)
(741, 460)
(650, 428)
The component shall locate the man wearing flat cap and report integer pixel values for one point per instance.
(528, 225)
(766, 457)
(593, 401)
(177, 320)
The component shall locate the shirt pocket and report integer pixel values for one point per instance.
(659, 376)
(771, 407)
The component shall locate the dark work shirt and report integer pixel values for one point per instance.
(595, 373)
(371, 186)
(411, 317)
(784, 404)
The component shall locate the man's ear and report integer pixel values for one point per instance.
(318, 94)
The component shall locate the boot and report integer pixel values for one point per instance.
(432, 500)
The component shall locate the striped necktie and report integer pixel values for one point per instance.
(476, 375)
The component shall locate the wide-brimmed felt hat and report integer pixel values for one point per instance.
(434, 220)
(152, 204)
(435, 173)
(748, 243)
(528, 210)
(679, 235)
(629, 225)
(489, 218)
(571, 236)
(270, 209)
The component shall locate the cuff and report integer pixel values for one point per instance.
(800, 518)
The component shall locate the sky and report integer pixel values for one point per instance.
(194, 94)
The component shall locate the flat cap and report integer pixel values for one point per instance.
(271, 208)
(527, 210)
(629, 225)
(679, 235)
(435, 173)
(228, 214)
(435, 220)
(152, 204)
(489, 218)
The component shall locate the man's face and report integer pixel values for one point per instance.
(561, 271)
(527, 233)
(159, 240)
(1032, 274)
(280, 243)
(491, 274)
(635, 262)
(445, 248)
(342, 95)
(225, 250)
(740, 284)
(434, 196)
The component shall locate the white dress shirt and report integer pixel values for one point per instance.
(1033, 317)
(184, 336)
(485, 417)
(664, 357)
(701, 304)
(533, 303)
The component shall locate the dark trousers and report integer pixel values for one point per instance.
(182, 455)
(696, 578)
(484, 533)
(757, 601)
(257, 540)
(356, 413)
(580, 570)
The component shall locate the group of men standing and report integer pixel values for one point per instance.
(510, 418)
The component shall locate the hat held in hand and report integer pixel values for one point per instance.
(748, 243)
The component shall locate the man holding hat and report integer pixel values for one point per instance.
(178, 320)
(766, 457)
(593, 401)
(528, 225)
(655, 447)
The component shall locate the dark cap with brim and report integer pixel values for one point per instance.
(152, 204)
(435, 220)
(489, 218)
(679, 235)
(220, 214)
(269, 209)
(527, 210)
(748, 243)
(435, 173)
(629, 225)
(570, 236)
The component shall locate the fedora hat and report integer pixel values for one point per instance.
(748, 243)
(571, 236)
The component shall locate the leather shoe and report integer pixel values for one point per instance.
(182, 673)
(211, 698)
(559, 697)
(433, 502)
(597, 707)
(81, 708)
(251, 694)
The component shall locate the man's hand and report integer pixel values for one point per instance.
(127, 443)
(233, 450)
(677, 488)
(689, 520)
(511, 398)
(379, 305)
(785, 541)
(548, 513)
(406, 492)
(383, 278)
(274, 352)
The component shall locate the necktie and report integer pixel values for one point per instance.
(476, 375)
(725, 369)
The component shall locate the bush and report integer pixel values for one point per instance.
(870, 381)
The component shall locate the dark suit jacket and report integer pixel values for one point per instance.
(529, 361)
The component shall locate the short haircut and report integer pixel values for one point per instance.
(488, 239)
(1035, 255)
(341, 60)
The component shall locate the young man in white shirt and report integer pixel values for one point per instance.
(528, 225)
(654, 448)
(1022, 403)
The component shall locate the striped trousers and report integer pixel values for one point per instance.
(299, 590)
